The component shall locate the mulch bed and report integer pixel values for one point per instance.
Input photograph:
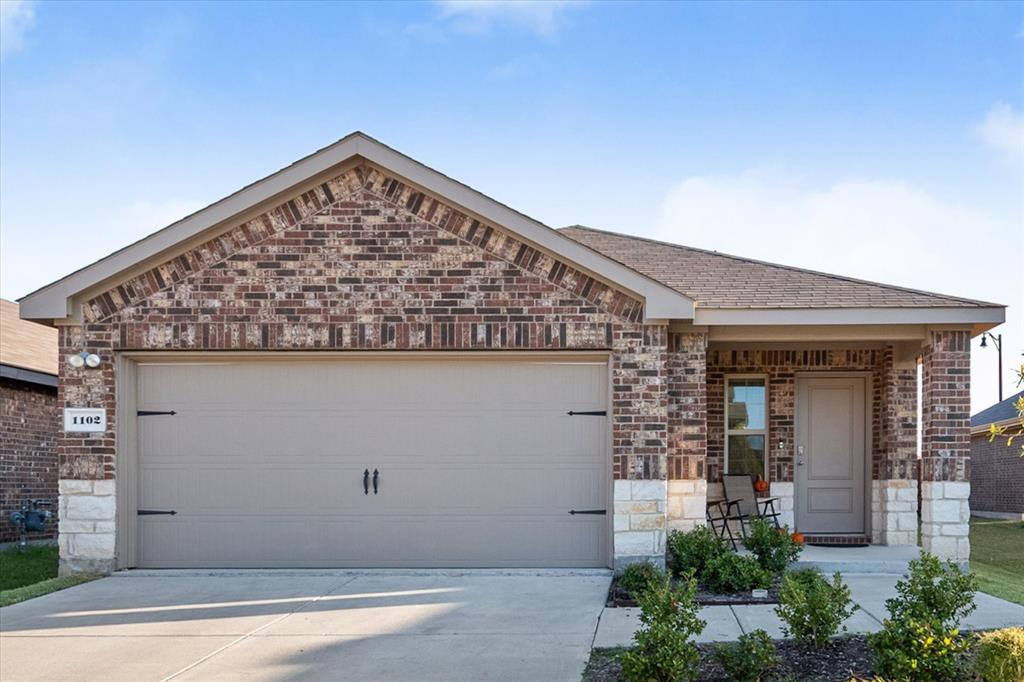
(619, 597)
(842, 659)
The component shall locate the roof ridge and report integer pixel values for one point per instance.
(782, 266)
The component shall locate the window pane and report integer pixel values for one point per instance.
(746, 455)
(746, 404)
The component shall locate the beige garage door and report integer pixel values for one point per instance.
(477, 463)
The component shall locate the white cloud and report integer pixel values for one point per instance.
(481, 16)
(882, 230)
(16, 16)
(1003, 130)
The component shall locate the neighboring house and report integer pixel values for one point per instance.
(29, 417)
(358, 361)
(997, 471)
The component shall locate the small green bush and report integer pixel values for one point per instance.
(774, 548)
(662, 649)
(638, 577)
(934, 591)
(732, 572)
(751, 658)
(689, 553)
(999, 656)
(811, 608)
(921, 639)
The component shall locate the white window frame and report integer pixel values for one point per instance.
(746, 432)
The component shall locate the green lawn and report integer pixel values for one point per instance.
(32, 573)
(997, 557)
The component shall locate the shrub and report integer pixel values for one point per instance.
(774, 548)
(999, 656)
(662, 649)
(750, 658)
(731, 572)
(637, 578)
(811, 608)
(921, 639)
(933, 591)
(690, 552)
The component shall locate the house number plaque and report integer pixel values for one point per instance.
(85, 419)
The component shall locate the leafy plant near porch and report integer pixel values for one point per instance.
(690, 552)
(774, 548)
(749, 659)
(663, 650)
(813, 609)
(639, 577)
(999, 656)
(734, 573)
(921, 639)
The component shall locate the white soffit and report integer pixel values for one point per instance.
(988, 317)
(54, 301)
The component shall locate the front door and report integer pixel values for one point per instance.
(830, 455)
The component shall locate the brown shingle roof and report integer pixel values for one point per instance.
(718, 280)
(25, 344)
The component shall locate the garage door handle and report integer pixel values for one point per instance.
(155, 512)
(376, 477)
(600, 512)
(366, 481)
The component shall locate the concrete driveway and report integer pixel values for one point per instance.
(270, 625)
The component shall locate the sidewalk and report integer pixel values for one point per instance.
(869, 591)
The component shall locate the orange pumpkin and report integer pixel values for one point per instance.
(761, 485)
(798, 538)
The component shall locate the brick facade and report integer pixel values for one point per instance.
(945, 444)
(997, 476)
(29, 423)
(364, 262)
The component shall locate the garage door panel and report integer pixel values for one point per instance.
(479, 464)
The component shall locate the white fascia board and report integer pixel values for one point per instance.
(855, 316)
(53, 302)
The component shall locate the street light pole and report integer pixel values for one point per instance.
(997, 340)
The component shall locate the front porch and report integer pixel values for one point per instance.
(833, 427)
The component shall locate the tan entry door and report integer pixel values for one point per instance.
(830, 455)
(477, 464)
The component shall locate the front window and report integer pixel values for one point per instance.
(746, 430)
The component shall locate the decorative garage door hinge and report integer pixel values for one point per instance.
(152, 413)
(156, 512)
(593, 413)
(600, 512)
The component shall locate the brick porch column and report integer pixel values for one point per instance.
(687, 429)
(639, 444)
(946, 443)
(894, 480)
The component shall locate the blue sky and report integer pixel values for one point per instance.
(879, 140)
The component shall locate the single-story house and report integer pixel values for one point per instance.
(29, 418)
(997, 471)
(359, 361)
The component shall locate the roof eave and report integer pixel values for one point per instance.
(979, 318)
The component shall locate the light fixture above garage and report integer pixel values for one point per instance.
(84, 359)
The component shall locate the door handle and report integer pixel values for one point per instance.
(376, 477)
(366, 481)
(800, 455)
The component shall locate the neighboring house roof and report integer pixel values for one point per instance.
(669, 278)
(1003, 411)
(28, 351)
(718, 280)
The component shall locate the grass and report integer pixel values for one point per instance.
(32, 573)
(996, 551)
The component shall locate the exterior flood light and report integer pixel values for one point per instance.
(84, 359)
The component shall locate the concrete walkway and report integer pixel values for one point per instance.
(727, 623)
(308, 625)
